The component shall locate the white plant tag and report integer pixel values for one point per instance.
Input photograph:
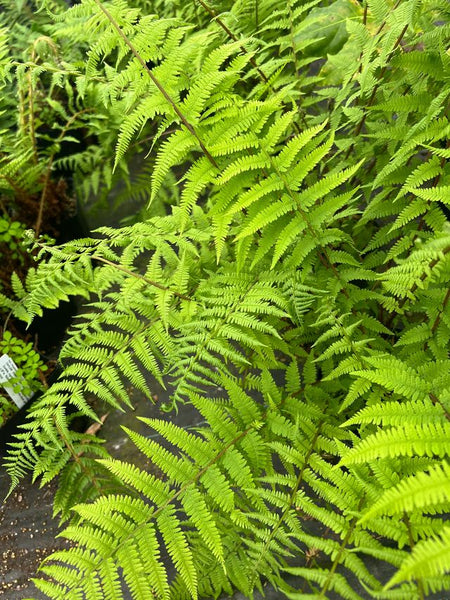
(8, 370)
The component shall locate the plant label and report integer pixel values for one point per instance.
(8, 370)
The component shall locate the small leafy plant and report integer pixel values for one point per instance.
(28, 377)
(11, 233)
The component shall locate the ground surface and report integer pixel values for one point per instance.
(28, 531)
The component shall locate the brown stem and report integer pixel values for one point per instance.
(77, 459)
(156, 82)
(431, 266)
(253, 62)
(38, 225)
(138, 276)
(342, 547)
(365, 14)
(292, 495)
(384, 69)
(411, 545)
(383, 24)
(378, 31)
(228, 31)
(360, 125)
(322, 253)
(435, 400)
(361, 53)
(291, 32)
(151, 137)
(31, 117)
(433, 184)
(438, 318)
(13, 184)
(22, 121)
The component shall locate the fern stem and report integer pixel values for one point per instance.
(156, 82)
(380, 79)
(38, 225)
(424, 275)
(342, 547)
(395, 313)
(22, 120)
(440, 313)
(323, 254)
(228, 31)
(407, 522)
(31, 117)
(383, 24)
(360, 125)
(434, 183)
(151, 138)
(291, 500)
(291, 35)
(76, 458)
(232, 36)
(13, 185)
(379, 30)
(138, 276)
(294, 55)
(366, 6)
(435, 400)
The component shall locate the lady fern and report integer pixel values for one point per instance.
(293, 290)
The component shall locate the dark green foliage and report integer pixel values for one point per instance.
(295, 292)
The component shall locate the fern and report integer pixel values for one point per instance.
(288, 280)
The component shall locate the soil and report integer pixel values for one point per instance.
(27, 535)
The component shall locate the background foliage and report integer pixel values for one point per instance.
(292, 287)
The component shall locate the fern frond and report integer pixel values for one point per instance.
(429, 440)
(421, 491)
(428, 558)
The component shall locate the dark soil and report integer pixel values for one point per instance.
(27, 536)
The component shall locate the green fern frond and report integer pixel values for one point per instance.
(428, 558)
(429, 440)
(421, 491)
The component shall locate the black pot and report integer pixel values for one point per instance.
(50, 328)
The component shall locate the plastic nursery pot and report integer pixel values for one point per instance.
(49, 330)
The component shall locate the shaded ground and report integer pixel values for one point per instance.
(27, 535)
(28, 532)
